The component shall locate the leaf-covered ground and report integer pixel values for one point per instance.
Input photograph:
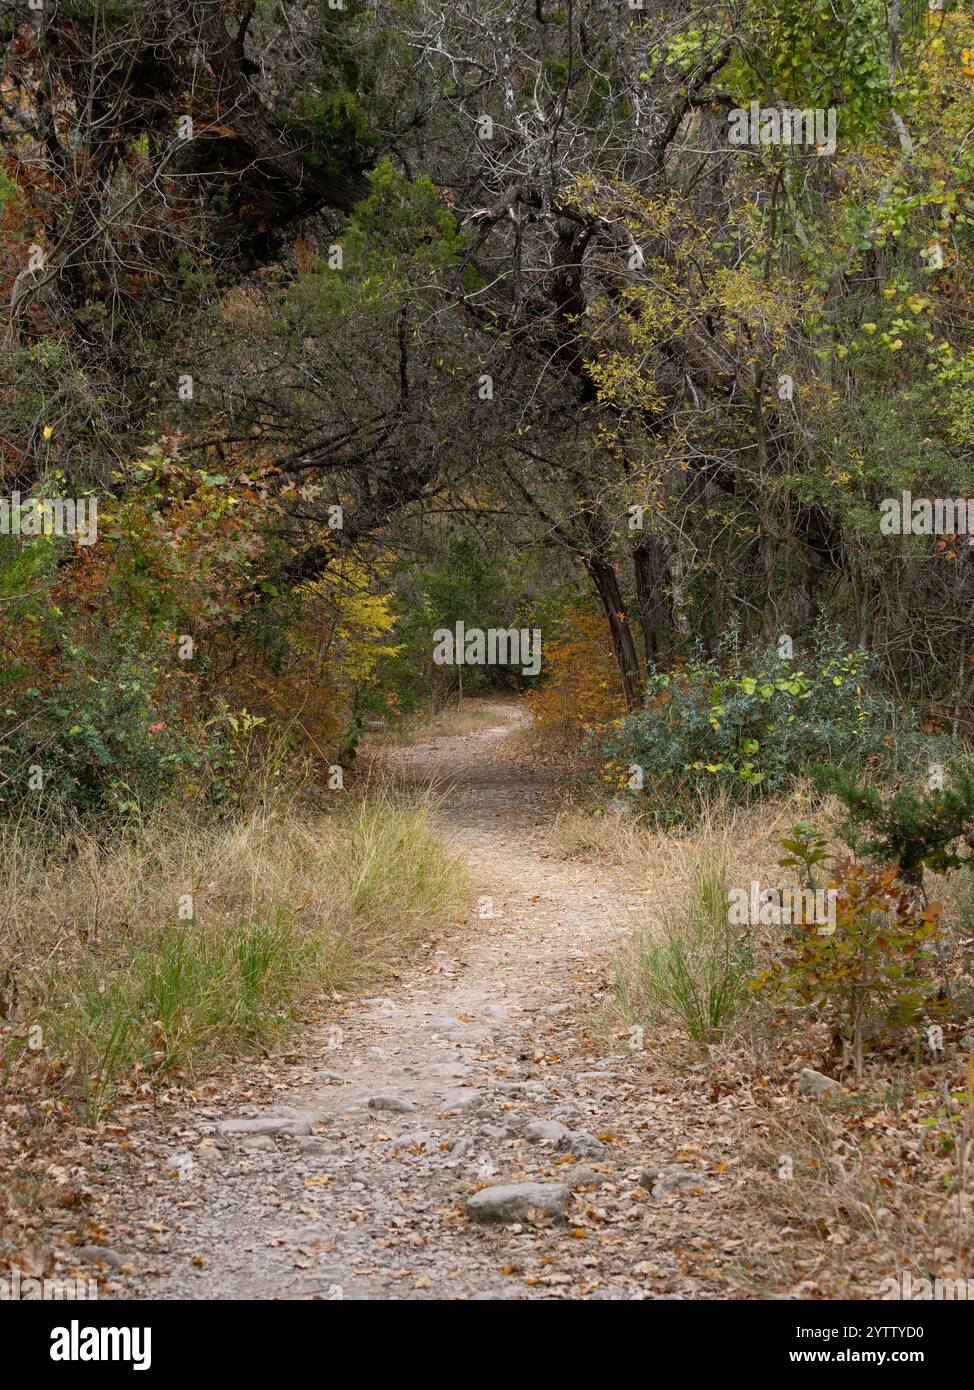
(343, 1169)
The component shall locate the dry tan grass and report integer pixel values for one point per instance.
(179, 942)
(466, 717)
(745, 839)
(683, 963)
(879, 1183)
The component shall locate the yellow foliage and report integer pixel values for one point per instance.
(334, 642)
(582, 686)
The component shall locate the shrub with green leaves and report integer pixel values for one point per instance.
(103, 738)
(912, 828)
(745, 730)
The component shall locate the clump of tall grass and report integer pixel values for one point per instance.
(692, 969)
(177, 942)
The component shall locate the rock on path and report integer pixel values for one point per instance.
(433, 1153)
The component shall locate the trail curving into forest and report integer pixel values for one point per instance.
(348, 1175)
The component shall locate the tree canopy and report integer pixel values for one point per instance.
(299, 288)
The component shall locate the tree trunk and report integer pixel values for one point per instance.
(649, 571)
(607, 585)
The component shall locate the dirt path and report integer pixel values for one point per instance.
(346, 1174)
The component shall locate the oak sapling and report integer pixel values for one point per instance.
(871, 976)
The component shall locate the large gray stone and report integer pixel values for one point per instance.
(315, 1144)
(545, 1132)
(814, 1083)
(673, 1178)
(398, 1104)
(473, 1100)
(535, 1089)
(268, 1124)
(580, 1144)
(518, 1201)
(581, 1175)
